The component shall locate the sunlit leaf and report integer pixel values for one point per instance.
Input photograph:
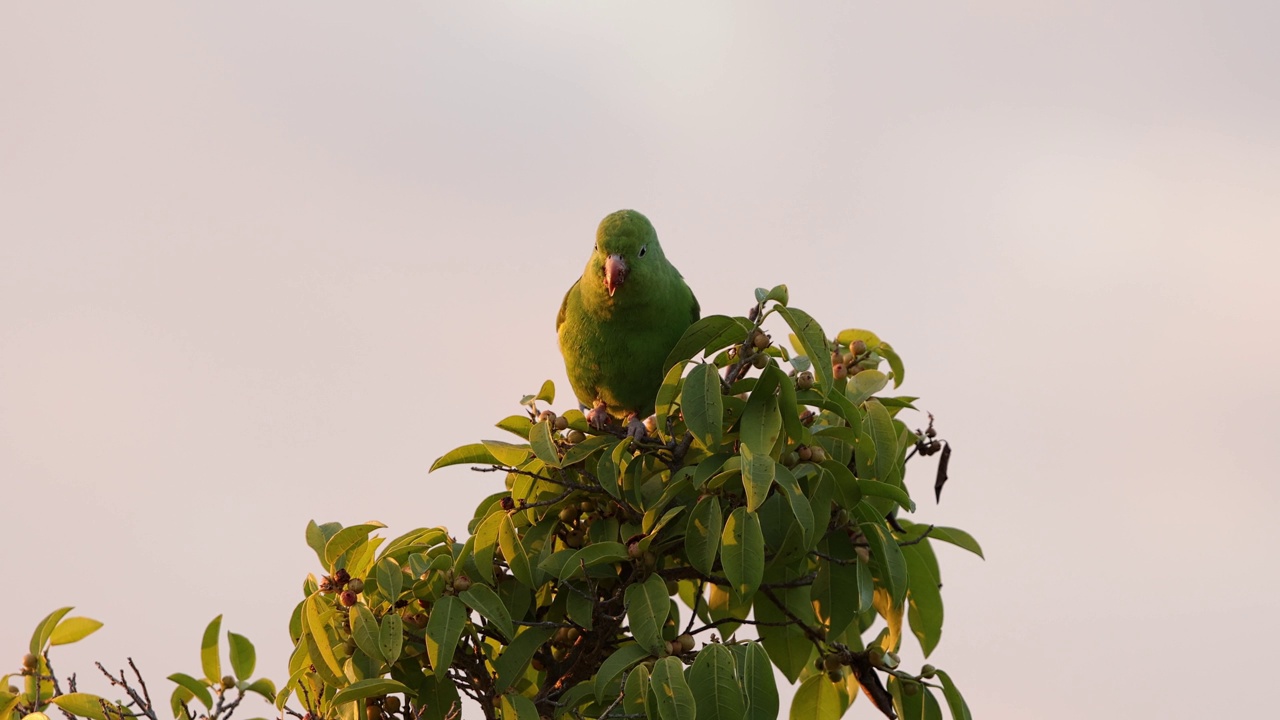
(73, 629)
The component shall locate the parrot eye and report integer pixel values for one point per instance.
(643, 248)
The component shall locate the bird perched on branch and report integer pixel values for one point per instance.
(621, 319)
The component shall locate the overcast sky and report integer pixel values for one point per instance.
(263, 262)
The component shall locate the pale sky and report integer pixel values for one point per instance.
(263, 262)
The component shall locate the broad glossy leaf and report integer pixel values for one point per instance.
(44, 630)
(518, 425)
(667, 393)
(391, 577)
(263, 687)
(702, 534)
(895, 363)
(197, 689)
(547, 393)
(72, 629)
(317, 642)
(787, 644)
(703, 406)
(485, 601)
(444, 628)
(510, 665)
(613, 666)
(817, 699)
(346, 539)
(518, 707)
(505, 453)
(759, 685)
(742, 551)
(647, 607)
(875, 488)
(210, 661)
(847, 337)
(813, 344)
(887, 560)
(835, 592)
(955, 701)
(757, 476)
(364, 689)
(879, 427)
(670, 689)
(957, 537)
(243, 657)
(761, 421)
(798, 502)
(365, 630)
(593, 555)
(924, 601)
(82, 704)
(583, 450)
(543, 446)
(864, 385)
(514, 552)
(716, 690)
(636, 693)
(473, 454)
(703, 334)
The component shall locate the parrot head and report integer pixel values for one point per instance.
(626, 252)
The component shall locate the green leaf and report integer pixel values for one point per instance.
(365, 630)
(924, 601)
(210, 661)
(758, 472)
(509, 667)
(243, 656)
(957, 537)
(879, 426)
(716, 692)
(391, 578)
(647, 608)
(703, 406)
(473, 454)
(622, 659)
(518, 425)
(847, 337)
(485, 601)
(865, 384)
(799, 503)
(365, 689)
(761, 422)
(887, 558)
(543, 446)
(636, 695)
(783, 639)
(667, 394)
(875, 488)
(507, 453)
(674, 698)
(345, 540)
(813, 343)
(702, 335)
(72, 629)
(834, 592)
(895, 363)
(702, 534)
(82, 704)
(263, 687)
(514, 552)
(548, 392)
(585, 449)
(444, 628)
(44, 630)
(817, 699)
(317, 640)
(195, 687)
(742, 551)
(518, 707)
(955, 702)
(759, 684)
(595, 554)
(391, 635)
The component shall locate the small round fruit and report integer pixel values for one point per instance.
(30, 662)
(462, 583)
(857, 347)
(538, 665)
(569, 514)
(587, 506)
(546, 416)
(875, 656)
(347, 598)
(790, 459)
(686, 642)
(759, 339)
(562, 423)
(573, 538)
(760, 361)
(356, 585)
(673, 587)
(853, 370)
(674, 647)
(817, 454)
(804, 380)
(928, 671)
(13, 690)
(848, 358)
(634, 550)
(839, 371)
(831, 663)
(805, 453)
(373, 712)
(651, 425)
(835, 676)
(931, 433)
(576, 436)
(228, 682)
(341, 577)
(391, 704)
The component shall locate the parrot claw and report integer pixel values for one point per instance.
(598, 417)
(636, 430)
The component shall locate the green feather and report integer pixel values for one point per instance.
(614, 346)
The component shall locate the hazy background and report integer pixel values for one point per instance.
(263, 262)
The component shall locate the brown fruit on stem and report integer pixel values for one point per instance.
(391, 704)
(840, 371)
(804, 380)
(356, 585)
(759, 361)
(858, 347)
(30, 662)
(686, 642)
(576, 436)
(562, 423)
(805, 453)
(759, 339)
(462, 583)
(373, 712)
(817, 454)
(569, 514)
(347, 598)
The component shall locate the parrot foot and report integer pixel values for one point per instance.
(636, 429)
(598, 417)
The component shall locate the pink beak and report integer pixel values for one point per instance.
(615, 271)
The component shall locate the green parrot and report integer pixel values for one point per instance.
(621, 319)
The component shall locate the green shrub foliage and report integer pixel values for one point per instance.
(613, 577)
